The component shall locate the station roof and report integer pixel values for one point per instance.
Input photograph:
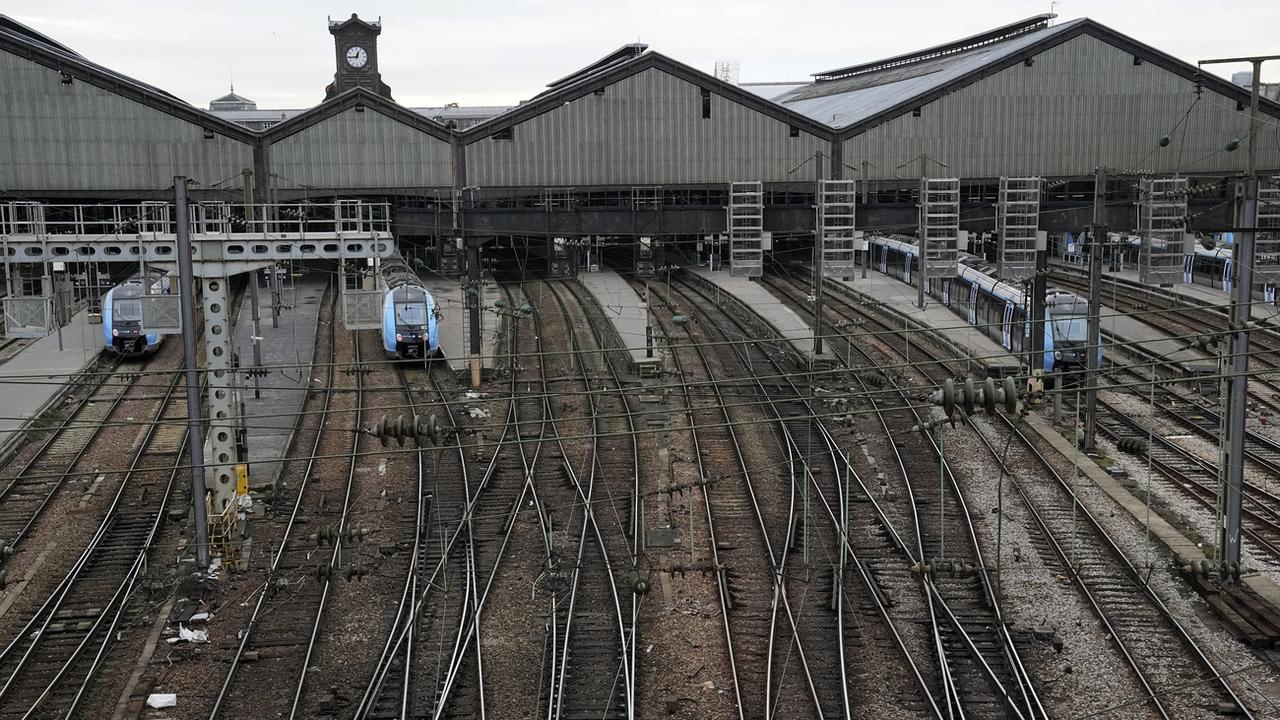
(853, 98)
(21, 40)
(849, 95)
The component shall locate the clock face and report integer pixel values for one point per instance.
(356, 56)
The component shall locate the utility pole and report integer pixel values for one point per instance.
(247, 183)
(922, 244)
(473, 307)
(1098, 233)
(1035, 363)
(817, 253)
(1241, 314)
(195, 432)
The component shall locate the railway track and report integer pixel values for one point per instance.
(278, 640)
(740, 517)
(969, 644)
(49, 663)
(592, 662)
(38, 477)
(1175, 674)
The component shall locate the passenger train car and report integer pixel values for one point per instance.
(995, 307)
(410, 322)
(122, 331)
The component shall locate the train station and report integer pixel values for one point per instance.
(938, 385)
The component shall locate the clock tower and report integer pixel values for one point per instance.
(356, 51)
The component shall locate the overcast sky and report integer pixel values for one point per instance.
(434, 52)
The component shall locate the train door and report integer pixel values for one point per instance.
(973, 304)
(946, 293)
(1188, 268)
(1006, 327)
(1224, 281)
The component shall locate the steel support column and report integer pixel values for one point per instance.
(195, 439)
(1098, 233)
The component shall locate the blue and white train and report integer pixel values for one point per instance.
(122, 331)
(410, 321)
(996, 307)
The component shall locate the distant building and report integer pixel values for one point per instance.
(1244, 78)
(356, 53)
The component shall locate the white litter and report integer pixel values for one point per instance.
(193, 636)
(199, 617)
(473, 395)
(162, 700)
(477, 414)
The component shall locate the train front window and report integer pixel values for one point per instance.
(128, 310)
(1070, 328)
(411, 314)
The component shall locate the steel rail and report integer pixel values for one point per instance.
(336, 556)
(36, 629)
(809, 477)
(404, 610)
(468, 631)
(1025, 687)
(862, 570)
(64, 428)
(1109, 545)
(276, 557)
(590, 526)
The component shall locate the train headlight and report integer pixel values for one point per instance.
(1057, 355)
(115, 332)
(399, 337)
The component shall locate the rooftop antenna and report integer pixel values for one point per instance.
(1053, 10)
(231, 76)
(727, 70)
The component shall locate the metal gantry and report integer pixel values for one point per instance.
(225, 240)
(746, 229)
(840, 240)
(1017, 225)
(939, 225)
(1266, 248)
(1162, 224)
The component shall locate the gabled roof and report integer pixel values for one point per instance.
(856, 98)
(375, 26)
(850, 95)
(23, 42)
(622, 69)
(1004, 32)
(358, 98)
(8, 23)
(622, 54)
(231, 97)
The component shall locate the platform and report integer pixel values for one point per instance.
(36, 374)
(1190, 293)
(626, 310)
(270, 417)
(455, 329)
(755, 296)
(966, 340)
(1118, 327)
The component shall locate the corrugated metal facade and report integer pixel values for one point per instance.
(362, 150)
(82, 137)
(1081, 104)
(646, 129)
